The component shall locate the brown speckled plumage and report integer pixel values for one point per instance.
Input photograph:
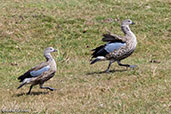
(127, 46)
(40, 73)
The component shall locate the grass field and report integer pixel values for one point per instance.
(74, 27)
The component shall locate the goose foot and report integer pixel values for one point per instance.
(42, 87)
(132, 66)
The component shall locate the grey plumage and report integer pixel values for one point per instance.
(40, 73)
(117, 48)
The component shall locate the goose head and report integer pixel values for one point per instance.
(127, 22)
(49, 50)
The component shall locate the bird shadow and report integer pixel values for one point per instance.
(32, 93)
(104, 72)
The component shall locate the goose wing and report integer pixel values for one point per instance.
(35, 71)
(104, 50)
(110, 47)
(112, 38)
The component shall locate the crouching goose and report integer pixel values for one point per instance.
(117, 48)
(40, 73)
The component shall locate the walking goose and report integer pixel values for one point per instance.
(117, 48)
(40, 73)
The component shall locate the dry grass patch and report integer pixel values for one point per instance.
(75, 27)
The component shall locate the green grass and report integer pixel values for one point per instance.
(74, 27)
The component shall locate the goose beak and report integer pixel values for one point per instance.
(132, 23)
(55, 50)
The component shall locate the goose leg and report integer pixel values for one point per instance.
(42, 87)
(126, 65)
(107, 70)
(30, 90)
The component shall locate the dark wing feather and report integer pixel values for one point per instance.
(99, 51)
(25, 75)
(112, 38)
(28, 75)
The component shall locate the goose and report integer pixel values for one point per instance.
(40, 73)
(117, 48)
